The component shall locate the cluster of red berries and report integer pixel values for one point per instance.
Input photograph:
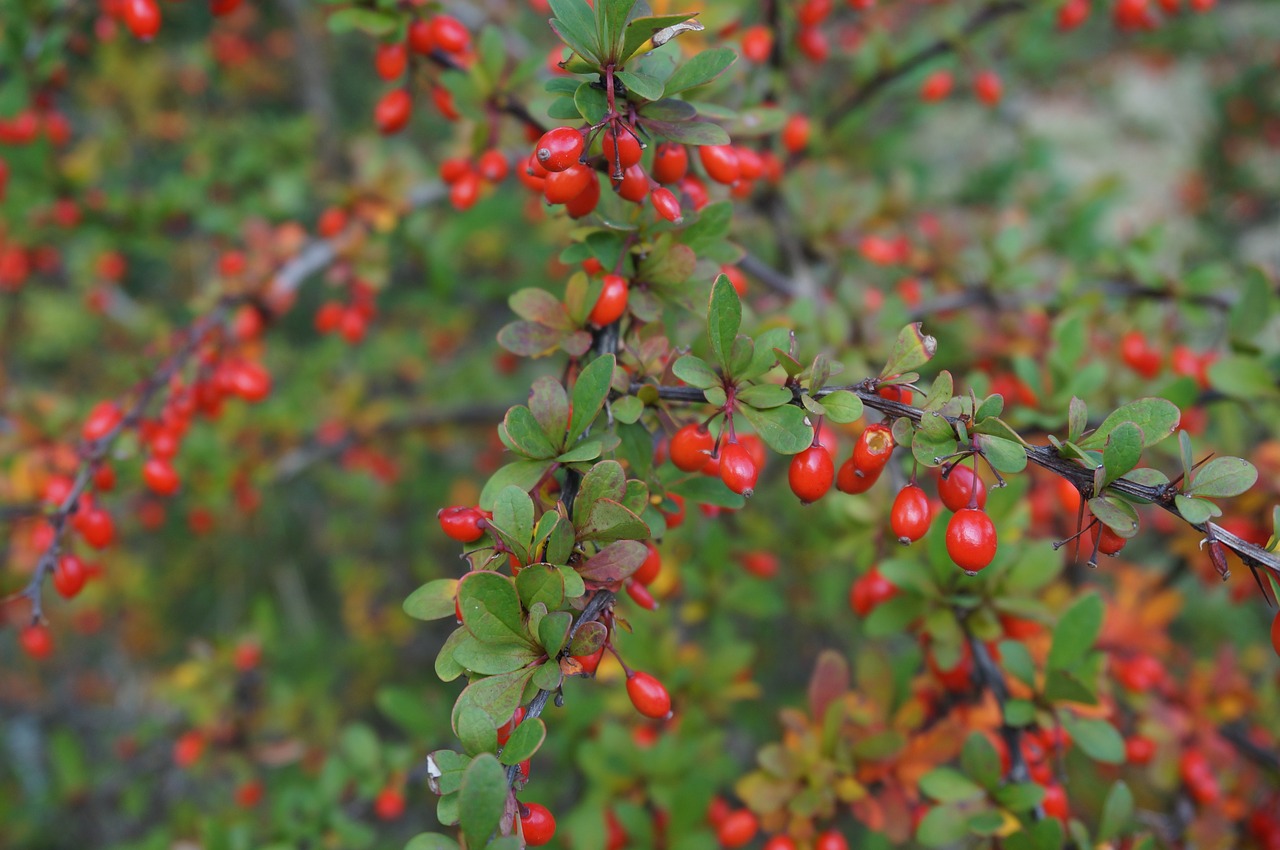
(465, 178)
(1128, 15)
(350, 320)
(1149, 361)
(391, 60)
(987, 86)
(738, 460)
(738, 827)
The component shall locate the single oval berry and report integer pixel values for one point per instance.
(462, 523)
(449, 34)
(1139, 750)
(633, 186)
(757, 43)
(421, 39)
(389, 804)
(936, 86)
(393, 111)
(612, 302)
(36, 641)
(626, 147)
(830, 840)
(585, 201)
(720, 162)
(102, 420)
(874, 448)
(670, 162)
(493, 166)
(956, 487)
(561, 187)
(651, 567)
(910, 516)
(641, 595)
(781, 842)
(988, 87)
(96, 527)
(648, 695)
(142, 17)
(849, 479)
(971, 539)
(69, 576)
(738, 829)
(811, 473)
(1107, 541)
(738, 469)
(537, 823)
(870, 591)
(390, 59)
(667, 205)
(559, 148)
(465, 191)
(795, 133)
(1139, 356)
(159, 476)
(691, 448)
(251, 381)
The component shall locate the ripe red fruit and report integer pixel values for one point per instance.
(69, 576)
(391, 59)
(956, 488)
(651, 567)
(1055, 802)
(1107, 541)
(559, 148)
(1139, 356)
(811, 473)
(795, 133)
(249, 794)
(870, 591)
(757, 43)
(971, 539)
(648, 695)
(104, 478)
(465, 191)
(102, 420)
(585, 201)
(36, 641)
(641, 595)
(393, 111)
(665, 202)
(760, 564)
(389, 804)
(627, 148)
(505, 730)
(738, 829)
(670, 162)
(910, 516)
(720, 162)
(142, 17)
(493, 166)
(421, 39)
(590, 663)
(1072, 14)
(1139, 750)
(159, 476)
(219, 8)
(813, 43)
(537, 823)
(691, 447)
(872, 451)
(850, 480)
(612, 302)
(831, 840)
(248, 655)
(738, 469)
(988, 87)
(449, 34)
(462, 523)
(781, 842)
(251, 381)
(96, 527)
(813, 12)
(188, 749)
(633, 186)
(936, 86)
(1198, 776)
(563, 186)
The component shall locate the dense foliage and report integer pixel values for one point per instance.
(781, 424)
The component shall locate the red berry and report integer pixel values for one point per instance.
(795, 133)
(720, 162)
(813, 43)
(449, 34)
(188, 749)
(249, 794)
(665, 202)
(462, 523)
(757, 43)
(627, 148)
(389, 804)
(421, 39)
(648, 695)
(612, 302)
(493, 166)
(591, 662)
(1055, 802)
(1072, 14)
(251, 381)
(691, 448)
(1139, 750)
(910, 517)
(955, 488)
(641, 595)
(830, 840)
(1139, 356)
(537, 823)
(96, 527)
(559, 149)
(104, 478)
(811, 473)
(651, 567)
(936, 86)
(813, 12)
(849, 479)
(563, 186)
(393, 111)
(142, 17)
(248, 655)
(738, 829)
(219, 8)
(1107, 541)
(971, 539)
(391, 59)
(465, 191)
(670, 162)
(505, 730)
(102, 420)
(585, 201)
(760, 564)
(872, 451)
(738, 469)
(988, 87)
(633, 186)
(36, 641)
(780, 842)
(160, 477)
(870, 591)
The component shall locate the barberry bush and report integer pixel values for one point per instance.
(622, 425)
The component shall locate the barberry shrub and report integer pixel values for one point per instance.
(397, 398)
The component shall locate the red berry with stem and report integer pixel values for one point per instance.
(1107, 541)
(96, 527)
(667, 205)
(462, 523)
(393, 111)
(670, 162)
(102, 420)
(651, 567)
(910, 516)
(612, 302)
(738, 469)
(691, 447)
(36, 641)
(956, 487)
(449, 34)
(850, 479)
(69, 576)
(633, 186)
(720, 162)
(738, 829)
(627, 148)
(641, 595)
(142, 17)
(537, 823)
(648, 695)
(559, 149)
(160, 477)
(811, 474)
(971, 539)
(872, 451)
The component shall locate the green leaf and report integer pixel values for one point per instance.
(1015, 658)
(553, 630)
(1076, 632)
(642, 85)
(611, 19)
(609, 520)
(913, 349)
(1019, 712)
(1122, 451)
(1223, 476)
(1097, 738)
(784, 429)
(547, 677)
(705, 490)
(498, 696)
(575, 23)
(765, 356)
(526, 434)
(695, 372)
(934, 439)
(530, 339)
(1120, 516)
(700, 70)
(538, 305)
(1020, 796)
(985, 823)
(524, 741)
(842, 406)
(513, 520)
(605, 480)
(1244, 378)
(627, 409)
(550, 406)
(948, 785)
(689, 132)
(482, 800)
(724, 317)
(586, 449)
(523, 474)
(359, 745)
(1195, 511)
(614, 562)
(1157, 417)
(1004, 455)
(573, 586)
(431, 841)
(1117, 812)
(433, 601)
(374, 22)
(476, 731)
(980, 760)
(765, 396)
(447, 668)
(589, 393)
(491, 608)
(541, 583)
(942, 825)
(588, 638)
(491, 659)
(1077, 419)
(640, 30)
